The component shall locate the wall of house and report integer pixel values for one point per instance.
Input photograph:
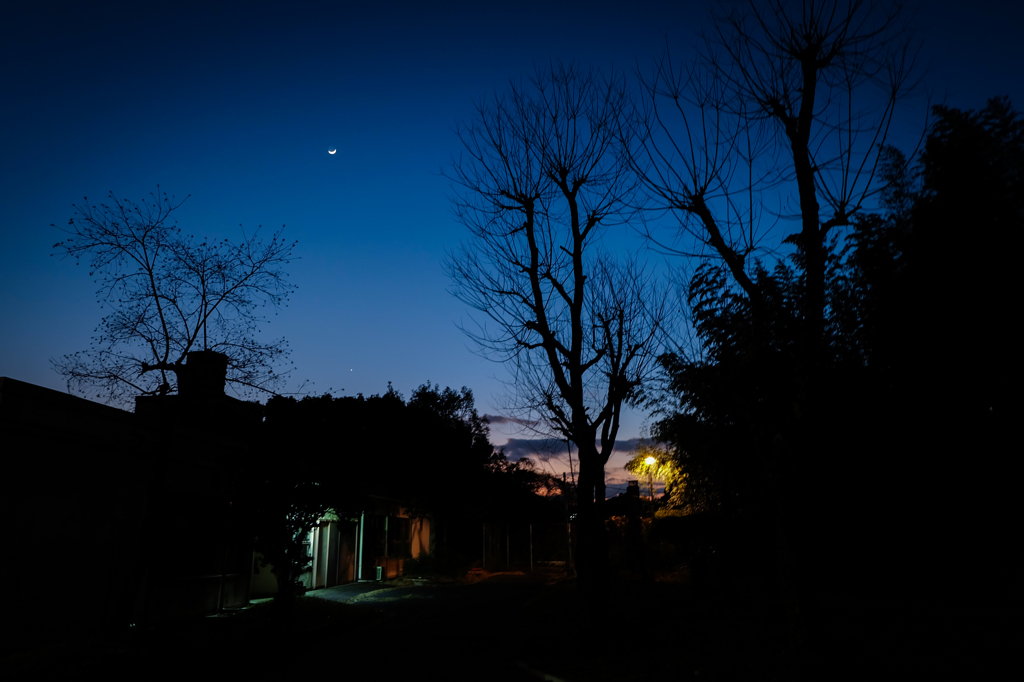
(420, 537)
(73, 501)
(142, 512)
(333, 545)
(264, 582)
(417, 542)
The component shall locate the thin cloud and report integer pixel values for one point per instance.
(543, 448)
(500, 419)
(628, 445)
(546, 448)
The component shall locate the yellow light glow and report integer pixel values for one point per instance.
(649, 461)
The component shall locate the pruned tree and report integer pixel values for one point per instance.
(172, 293)
(768, 149)
(775, 136)
(541, 177)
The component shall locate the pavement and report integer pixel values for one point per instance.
(349, 591)
(388, 591)
(453, 631)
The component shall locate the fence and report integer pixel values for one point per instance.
(526, 546)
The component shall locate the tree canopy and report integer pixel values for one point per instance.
(917, 368)
(431, 451)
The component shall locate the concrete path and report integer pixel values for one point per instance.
(363, 592)
(347, 592)
(443, 631)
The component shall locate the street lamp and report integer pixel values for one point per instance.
(650, 462)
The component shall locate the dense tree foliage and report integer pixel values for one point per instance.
(651, 463)
(431, 452)
(916, 374)
(422, 451)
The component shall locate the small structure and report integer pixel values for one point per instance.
(369, 546)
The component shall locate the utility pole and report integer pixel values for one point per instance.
(650, 462)
(568, 521)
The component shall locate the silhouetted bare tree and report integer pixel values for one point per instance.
(791, 105)
(171, 294)
(775, 137)
(542, 175)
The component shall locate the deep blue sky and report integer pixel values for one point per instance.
(237, 105)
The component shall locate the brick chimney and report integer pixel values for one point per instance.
(204, 375)
(201, 403)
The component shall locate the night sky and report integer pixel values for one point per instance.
(237, 106)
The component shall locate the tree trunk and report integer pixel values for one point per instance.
(592, 550)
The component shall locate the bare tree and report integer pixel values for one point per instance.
(777, 136)
(542, 175)
(784, 118)
(171, 293)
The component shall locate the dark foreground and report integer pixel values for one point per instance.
(521, 627)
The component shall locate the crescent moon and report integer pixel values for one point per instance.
(331, 151)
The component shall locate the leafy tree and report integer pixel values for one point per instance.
(517, 490)
(432, 452)
(453, 451)
(172, 293)
(542, 177)
(653, 463)
(909, 392)
(281, 511)
(959, 256)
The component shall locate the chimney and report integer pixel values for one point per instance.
(204, 375)
(201, 403)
